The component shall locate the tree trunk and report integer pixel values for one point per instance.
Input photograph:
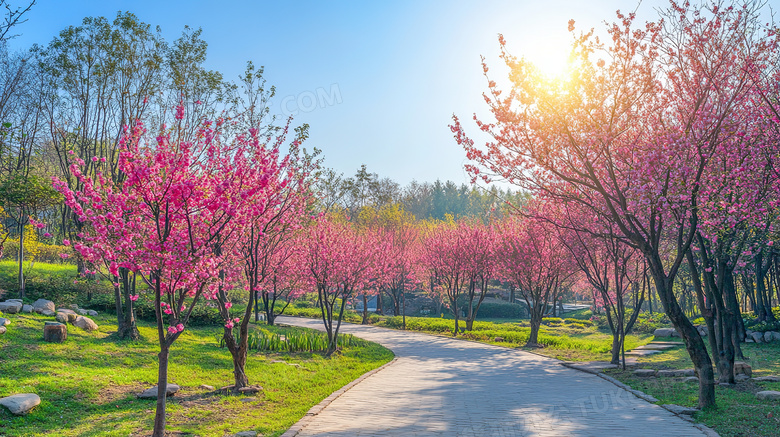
(21, 260)
(238, 352)
(365, 310)
(162, 388)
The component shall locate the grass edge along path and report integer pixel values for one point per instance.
(88, 385)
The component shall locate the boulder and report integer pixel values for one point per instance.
(245, 434)
(644, 373)
(27, 308)
(758, 337)
(85, 323)
(41, 305)
(770, 378)
(55, 333)
(766, 395)
(665, 332)
(2, 329)
(207, 387)
(742, 368)
(48, 313)
(498, 339)
(741, 378)
(775, 336)
(81, 312)
(4, 322)
(768, 338)
(14, 300)
(61, 317)
(73, 306)
(677, 373)
(92, 313)
(21, 404)
(702, 330)
(151, 393)
(10, 307)
(691, 379)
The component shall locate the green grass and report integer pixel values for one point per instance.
(571, 342)
(738, 412)
(88, 384)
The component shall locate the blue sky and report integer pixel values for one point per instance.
(377, 81)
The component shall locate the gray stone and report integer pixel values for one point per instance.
(768, 395)
(655, 347)
(92, 313)
(691, 379)
(207, 387)
(644, 373)
(249, 399)
(27, 308)
(741, 378)
(48, 313)
(61, 317)
(14, 300)
(642, 353)
(758, 337)
(497, 339)
(41, 305)
(52, 323)
(21, 404)
(749, 340)
(10, 307)
(85, 323)
(55, 333)
(2, 329)
(768, 337)
(81, 312)
(665, 332)
(678, 409)
(151, 393)
(675, 373)
(771, 378)
(742, 368)
(775, 336)
(4, 322)
(73, 306)
(245, 434)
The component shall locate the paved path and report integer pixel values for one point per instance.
(446, 387)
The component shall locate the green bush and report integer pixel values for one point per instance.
(47, 253)
(570, 320)
(552, 321)
(294, 341)
(497, 310)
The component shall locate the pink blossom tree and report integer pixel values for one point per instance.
(339, 261)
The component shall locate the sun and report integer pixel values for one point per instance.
(551, 58)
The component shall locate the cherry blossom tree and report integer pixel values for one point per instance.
(631, 133)
(340, 261)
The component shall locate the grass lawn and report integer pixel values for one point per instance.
(88, 384)
(738, 412)
(569, 342)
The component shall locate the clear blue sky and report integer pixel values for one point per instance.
(389, 74)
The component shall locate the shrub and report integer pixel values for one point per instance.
(570, 320)
(498, 310)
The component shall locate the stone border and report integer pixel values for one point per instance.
(315, 410)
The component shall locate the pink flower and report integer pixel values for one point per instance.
(180, 327)
(116, 284)
(64, 255)
(66, 242)
(70, 152)
(770, 243)
(229, 325)
(168, 311)
(94, 159)
(102, 159)
(47, 235)
(708, 269)
(228, 305)
(40, 225)
(133, 297)
(236, 320)
(172, 330)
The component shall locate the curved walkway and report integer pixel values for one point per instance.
(446, 387)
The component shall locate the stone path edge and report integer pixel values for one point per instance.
(313, 411)
(641, 395)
